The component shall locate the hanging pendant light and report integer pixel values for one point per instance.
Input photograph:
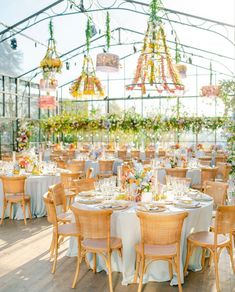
(107, 62)
(210, 90)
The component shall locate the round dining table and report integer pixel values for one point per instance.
(125, 225)
(35, 187)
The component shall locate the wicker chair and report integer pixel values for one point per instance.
(106, 168)
(217, 190)
(207, 174)
(58, 230)
(85, 184)
(206, 160)
(68, 184)
(161, 153)
(94, 226)
(14, 193)
(177, 172)
(224, 170)
(58, 196)
(215, 241)
(135, 154)
(150, 154)
(122, 154)
(77, 166)
(220, 158)
(160, 240)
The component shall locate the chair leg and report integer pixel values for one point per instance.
(142, 267)
(52, 247)
(56, 253)
(29, 210)
(110, 273)
(189, 252)
(120, 252)
(79, 259)
(177, 266)
(170, 270)
(4, 205)
(215, 257)
(137, 268)
(203, 258)
(94, 262)
(230, 250)
(23, 208)
(11, 207)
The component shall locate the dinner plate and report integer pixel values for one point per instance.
(90, 201)
(113, 206)
(87, 194)
(155, 209)
(187, 206)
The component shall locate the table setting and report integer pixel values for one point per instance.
(155, 198)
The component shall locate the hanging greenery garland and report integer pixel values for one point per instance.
(129, 122)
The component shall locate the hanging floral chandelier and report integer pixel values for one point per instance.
(51, 65)
(87, 84)
(107, 62)
(155, 67)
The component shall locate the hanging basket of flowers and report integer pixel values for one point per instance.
(51, 63)
(87, 84)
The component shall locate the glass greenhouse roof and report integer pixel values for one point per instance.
(202, 41)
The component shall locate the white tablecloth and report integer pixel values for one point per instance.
(36, 187)
(125, 224)
(194, 174)
(95, 165)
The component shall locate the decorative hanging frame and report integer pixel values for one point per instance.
(155, 67)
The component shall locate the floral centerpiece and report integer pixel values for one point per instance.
(139, 179)
(25, 161)
(199, 147)
(23, 136)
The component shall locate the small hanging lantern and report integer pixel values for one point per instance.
(47, 102)
(210, 90)
(87, 84)
(107, 62)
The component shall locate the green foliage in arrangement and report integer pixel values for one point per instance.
(128, 122)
